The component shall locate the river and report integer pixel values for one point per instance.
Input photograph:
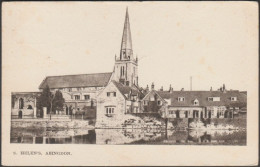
(128, 136)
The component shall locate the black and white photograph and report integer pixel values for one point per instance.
(138, 74)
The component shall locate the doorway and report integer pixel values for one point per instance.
(20, 114)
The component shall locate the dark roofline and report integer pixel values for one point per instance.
(40, 86)
(166, 91)
(24, 93)
(78, 74)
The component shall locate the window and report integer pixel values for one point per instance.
(213, 98)
(171, 112)
(111, 93)
(110, 110)
(196, 102)
(159, 102)
(29, 107)
(145, 102)
(151, 98)
(69, 89)
(233, 98)
(181, 99)
(86, 97)
(77, 97)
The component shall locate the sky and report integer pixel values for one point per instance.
(214, 42)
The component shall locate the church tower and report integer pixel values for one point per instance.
(126, 66)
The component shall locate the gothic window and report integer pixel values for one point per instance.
(21, 103)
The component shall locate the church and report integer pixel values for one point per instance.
(114, 96)
(82, 91)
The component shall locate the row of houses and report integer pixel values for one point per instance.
(114, 95)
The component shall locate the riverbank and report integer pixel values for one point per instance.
(52, 124)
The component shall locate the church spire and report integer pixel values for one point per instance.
(126, 52)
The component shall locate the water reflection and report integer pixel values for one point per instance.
(129, 136)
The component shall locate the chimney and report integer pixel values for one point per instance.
(224, 88)
(211, 88)
(221, 89)
(182, 89)
(147, 88)
(170, 89)
(161, 88)
(152, 87)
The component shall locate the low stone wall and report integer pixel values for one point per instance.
(53, 124)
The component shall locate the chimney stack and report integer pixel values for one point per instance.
(152, 87)
(224, 88)
(161, 88)
(211, 88)
(182, 89)
(170, 89)
(147, 88)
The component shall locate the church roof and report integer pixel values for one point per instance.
(81, 80)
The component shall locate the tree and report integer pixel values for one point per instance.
(52, 101)
(44, 99)
(58, 101)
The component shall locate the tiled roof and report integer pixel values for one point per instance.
(202, 96)
(81, 80)
(126, 89)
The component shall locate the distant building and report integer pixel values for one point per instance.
(195, 104)
(79, 91)
(24, 104)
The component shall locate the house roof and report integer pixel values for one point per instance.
(202, 96)
(81, 80)
(126, 89)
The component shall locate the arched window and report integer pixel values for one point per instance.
(21, 103)
(29, 107)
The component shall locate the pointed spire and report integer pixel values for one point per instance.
(126, 45)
